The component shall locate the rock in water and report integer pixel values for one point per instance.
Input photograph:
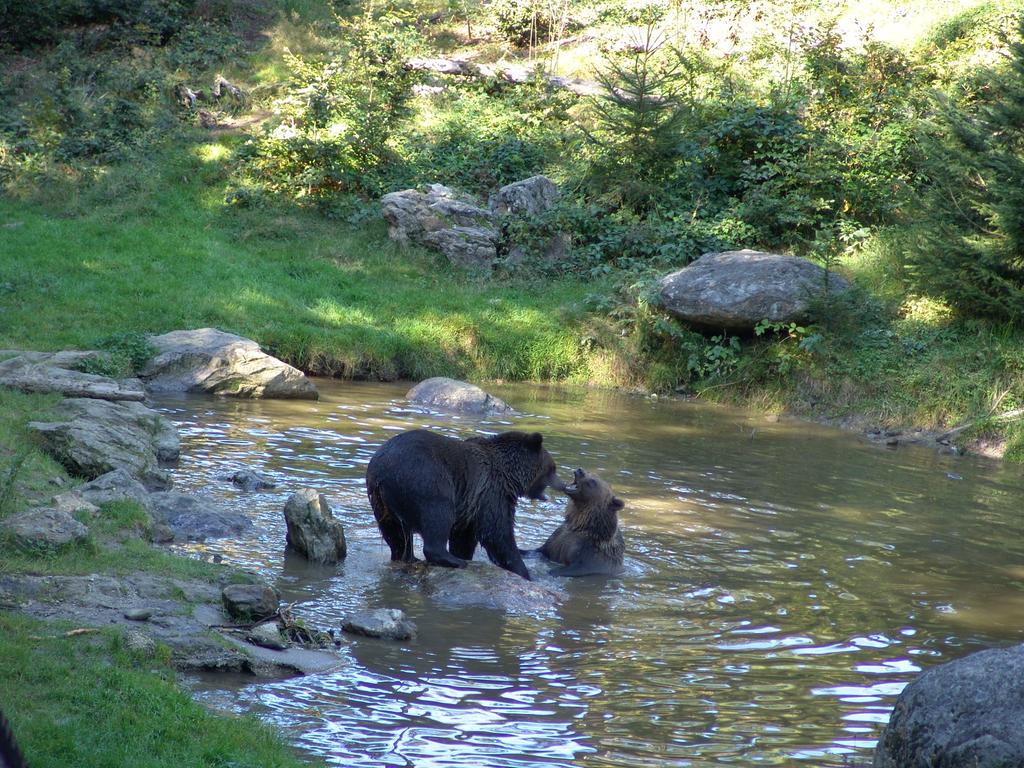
(456, 396)
(736, 290)
(193, 518)
(93, 437)
(57, 372)
(313, 531)
(444, 221)
(268, 636)
(250, 602)
(964, 714)
(43, 528)
(248, 480)
(215, 362)
(486, 586)
(387, 623)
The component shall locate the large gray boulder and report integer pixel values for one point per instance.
(736, 290)
(92, 437)
(118, 485)
(43, 528)
(444, 221)
(964, 714)
(212, 361)
(529, 197)
(46, 372)
(250, 602)
(457, 396)
(313, 531)
(194, 518)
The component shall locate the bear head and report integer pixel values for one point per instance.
(528, 462)
(592, 505)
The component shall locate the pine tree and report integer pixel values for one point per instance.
(639, 119)
(971, 250)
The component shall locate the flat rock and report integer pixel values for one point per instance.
(55, 372)
(138, 614)
(964, 714)
(249, 480)
(487, 586)
(313, 531)
(214, 362)
(195, 518)
(250, 602)
(92, 437)
(44, 528)
(457, 396)
(735, 290)
(387, 623)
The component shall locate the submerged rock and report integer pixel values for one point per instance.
(248, 480)
(212, 361)
(57, 372)
(313, 531)
(457, 396)
(487, 586)
(964, 714)
(194, 518)
(443, 220)
(250, 602)
(92, 437)
(735, 290)
(387, 623)
(43, 528)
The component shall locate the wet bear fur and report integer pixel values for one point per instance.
(589, 542)
(456, 494)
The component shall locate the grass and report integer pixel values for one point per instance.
(155, 248)
(89, 701)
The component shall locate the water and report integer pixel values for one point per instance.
(784, 582)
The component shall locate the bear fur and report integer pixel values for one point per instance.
(589, 542)
(457, 493)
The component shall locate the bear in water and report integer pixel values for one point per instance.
(589, 542)
(457, 493)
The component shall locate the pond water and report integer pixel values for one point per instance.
(784, 582)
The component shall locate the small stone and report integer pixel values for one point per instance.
(267, 636)
(161, 534)
(387, 623)
(139, 642)
(250, 602)
(248, 480)
(138, 614)
(73, 503)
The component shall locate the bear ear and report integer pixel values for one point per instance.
(535, 440)
(617, 503)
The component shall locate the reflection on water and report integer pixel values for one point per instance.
(784, 581)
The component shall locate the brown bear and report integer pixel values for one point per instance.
(457, 493)
(589, 542)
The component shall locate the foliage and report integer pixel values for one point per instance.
(529, 22)
(971, 250)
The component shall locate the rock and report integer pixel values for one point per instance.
(72, 503)
(139, 642)
(486, 586)
(457, 396)
(138, 614)
(248, 480)
(44, 528)
(736, 290)
(529, 197)
(194, 518)
(92, 437)
(267, 636)
(54, 372)
(387, 623)
(313, 530)
(250, 602)
(442, 220)
(118, 485)
(964, 714)
(212, 361)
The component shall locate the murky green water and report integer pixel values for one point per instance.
(784, 581)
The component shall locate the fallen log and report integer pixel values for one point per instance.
(509, 73)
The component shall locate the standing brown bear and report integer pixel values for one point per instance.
(457, 493)
(589, 542)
